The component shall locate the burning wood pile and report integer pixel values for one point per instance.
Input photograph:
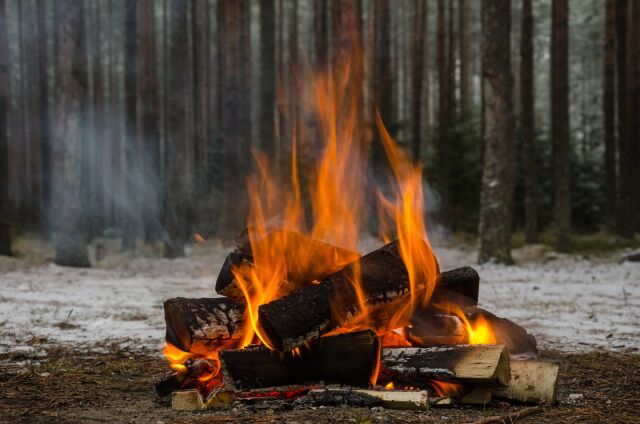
(306, 318)
(345, 334)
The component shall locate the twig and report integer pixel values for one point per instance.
(511, 418)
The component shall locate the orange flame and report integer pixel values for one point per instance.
(478, 332)
(445, 388)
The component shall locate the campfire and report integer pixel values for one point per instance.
(305, 316)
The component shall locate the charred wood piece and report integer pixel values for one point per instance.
(508, 333)
(314, 310)
(477, 365)
(174, 380)
(300, 272)
(206, 320)
(350, 358)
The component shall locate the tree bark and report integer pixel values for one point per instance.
(527, 120)
(560, 123)
(443, 112)
(149, 120)
(630, 148)
(419, 42)
(68, 204)
(131, 170)
(200, 26)
(321, 33)
(45, 126)
(466, 96)
(608, 106)
(383, 89)
(98, 126)
(266, 113)
(5, 90)
(498, 170)
(176, 137)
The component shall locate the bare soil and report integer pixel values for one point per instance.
(107, 383)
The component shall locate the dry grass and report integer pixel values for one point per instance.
(72, 385)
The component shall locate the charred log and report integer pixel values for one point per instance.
(314, 310)
(320, 260)
(458, 286)
(204, 320)
(174, 380)
(478, 365)
(343, 359)
(433, 329)
(508, 333)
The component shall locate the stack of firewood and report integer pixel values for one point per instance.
(348, 367)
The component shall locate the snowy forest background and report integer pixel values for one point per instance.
(136, 119)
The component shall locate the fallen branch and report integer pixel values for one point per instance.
(512, 417)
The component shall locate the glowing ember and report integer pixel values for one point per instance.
(445, 388)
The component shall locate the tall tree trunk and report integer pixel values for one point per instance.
(236, 122)
(45, 149)
(466, 97)
(200, 17)
(115, 129)
(383, 96)
(132, 174)
(99, 131)
(266, 113)
(176, 141)
(624, 216)
(560, 122)
(5, 242)
(498, 170)
(527, 124)
(419, 41)
(451, 62)
(608, 106)
(443, 113)
(631, 152)
(294, 65)
(149, 120)
(68, 204)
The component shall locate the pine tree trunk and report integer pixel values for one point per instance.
(176, 141)
(498, 170)
(451, 62)
(149, 120)
(527, 124)
(419, 41)
(132, 174)
(466, 98)
(383, 97)
(45, 149)
(443, 113)
(630, 190)
(236, 122)
(5, 242)
(624, 214)
(321, 33)
(100, 141)
(560, 122)
(115, 134)
(608, 106)
(68, 204)
(266, 113)
(200, 17)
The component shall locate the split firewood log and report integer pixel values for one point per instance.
(306, 260)
(206, 320)
(531, 382)
(350, 358)
(314, 310)
(477, 365)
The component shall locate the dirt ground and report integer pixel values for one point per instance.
(79, 386)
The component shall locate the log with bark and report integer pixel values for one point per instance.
(314, 310)
(306, 260)
(193, 368)
(206, 320)
(531, 382)
(478, 365)
(350, 358)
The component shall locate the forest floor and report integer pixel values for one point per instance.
(82, 345)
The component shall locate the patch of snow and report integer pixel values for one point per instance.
(570, 303)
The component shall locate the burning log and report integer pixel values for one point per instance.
(345, 359)
(508, 333)
(306, 260)
(207, 320)
(193, 368)
(531, 382)
(314, 310)
(459, 286)
(477, 365)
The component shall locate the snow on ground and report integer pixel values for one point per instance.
(569, 303)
